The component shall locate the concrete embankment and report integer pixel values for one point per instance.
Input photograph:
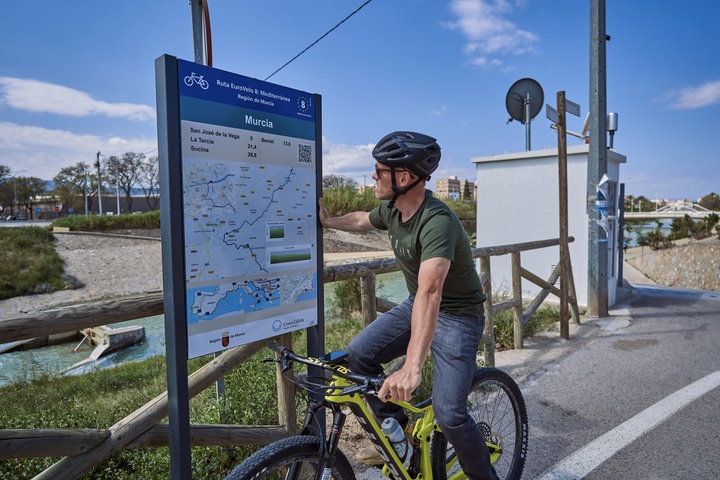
(694, 265)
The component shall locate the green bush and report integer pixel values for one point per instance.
(100, 223)
(29, 263)
(345, 199)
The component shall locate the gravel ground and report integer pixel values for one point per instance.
(130, 262)
(108, 266)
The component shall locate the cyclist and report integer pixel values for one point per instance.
(444, 312)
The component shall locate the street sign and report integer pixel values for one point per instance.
(38, 210)
(56, 208)
(71, 209)
(572, 108)
(551, 113)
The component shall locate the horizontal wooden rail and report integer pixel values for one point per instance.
(63, 442)
(77, 317)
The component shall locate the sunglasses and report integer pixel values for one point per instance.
(378, 171)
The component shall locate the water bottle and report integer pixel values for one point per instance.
(394, 432)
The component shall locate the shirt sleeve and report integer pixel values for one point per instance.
(438, 238)
(376, 217)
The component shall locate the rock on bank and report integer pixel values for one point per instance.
(693, 266)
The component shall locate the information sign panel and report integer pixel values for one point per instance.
(249, 170)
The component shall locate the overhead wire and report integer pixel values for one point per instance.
(316, 41)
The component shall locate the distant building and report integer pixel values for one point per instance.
(454, 188)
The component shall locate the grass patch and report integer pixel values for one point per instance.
(29, 263)
(544, 319)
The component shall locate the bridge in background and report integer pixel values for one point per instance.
(676, 210)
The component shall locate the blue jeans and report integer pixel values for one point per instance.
(454, 349)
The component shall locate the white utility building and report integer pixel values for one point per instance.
(518, 201)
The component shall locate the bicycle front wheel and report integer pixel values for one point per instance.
(295, 458)
(497, 406)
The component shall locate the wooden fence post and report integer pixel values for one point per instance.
(368, 298)
(286, 389)
(517, 298)
(488, 333)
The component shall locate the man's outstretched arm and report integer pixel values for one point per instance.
(351, 222)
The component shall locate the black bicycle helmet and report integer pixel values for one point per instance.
(411, 151)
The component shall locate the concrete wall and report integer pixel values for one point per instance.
(518, 201)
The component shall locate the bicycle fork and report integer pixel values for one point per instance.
(329, 444)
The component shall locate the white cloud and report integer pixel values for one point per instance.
(353, 161)
(42, 152)
(488, 32)
(41, 97)
(697, 97)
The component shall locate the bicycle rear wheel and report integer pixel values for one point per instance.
(293, 458)
(497, 406)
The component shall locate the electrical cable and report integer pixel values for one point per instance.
(316, 41)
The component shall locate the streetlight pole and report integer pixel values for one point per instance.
(85, 192)
(97, 164)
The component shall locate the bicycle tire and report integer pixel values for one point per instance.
(304, 451)
(498, 407)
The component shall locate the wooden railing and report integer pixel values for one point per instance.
(82, 449)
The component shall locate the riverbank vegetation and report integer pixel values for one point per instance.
(29, 263)
(104, 223)
(680, 228)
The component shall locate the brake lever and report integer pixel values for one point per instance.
(285, 364)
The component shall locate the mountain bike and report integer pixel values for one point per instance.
(495, 403)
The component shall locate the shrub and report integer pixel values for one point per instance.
(99, 223)
(29, 263)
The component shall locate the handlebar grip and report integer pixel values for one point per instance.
(275, 347)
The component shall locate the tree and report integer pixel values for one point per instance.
(73, 183)
(710, 201)
(467, 193)
(6, 197)
(150, 181)
(334, 181)
(124, 173)
(29, 189)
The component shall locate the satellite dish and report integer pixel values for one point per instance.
(522, 91)
(524, 101)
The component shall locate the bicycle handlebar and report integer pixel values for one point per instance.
(369, 384)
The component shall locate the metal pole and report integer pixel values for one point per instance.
(597, 164)
(528, 101)
(117, 193)
(97, 164)
(621, 234)
(200, 57)
(85, 193)
(197, 28)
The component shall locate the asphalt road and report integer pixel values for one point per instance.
(634, 395)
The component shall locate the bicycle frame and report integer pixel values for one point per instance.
(346, 390)
(340, 393)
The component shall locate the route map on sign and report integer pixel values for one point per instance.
(246, 220)
(249, 208)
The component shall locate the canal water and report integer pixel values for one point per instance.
(55, 359)
(646, 228)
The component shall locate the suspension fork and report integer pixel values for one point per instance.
(329, 447)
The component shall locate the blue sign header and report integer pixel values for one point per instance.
(206, 83)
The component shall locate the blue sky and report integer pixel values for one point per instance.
(78, 78)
